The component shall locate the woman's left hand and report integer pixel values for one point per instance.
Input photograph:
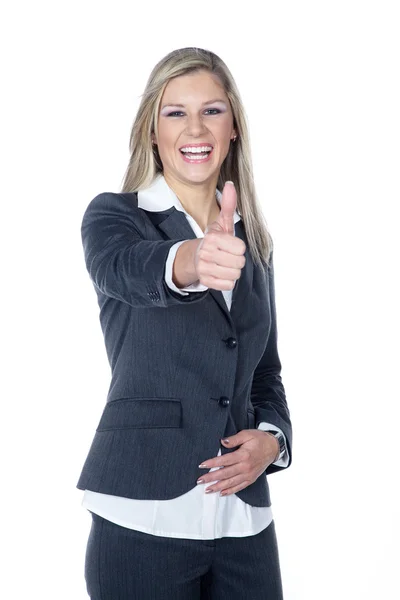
(257, 451)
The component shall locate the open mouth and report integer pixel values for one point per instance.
(196, 156)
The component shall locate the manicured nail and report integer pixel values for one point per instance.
(202, 466)
(230, 182)
(200, 481)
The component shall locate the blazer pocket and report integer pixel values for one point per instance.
(133, 413)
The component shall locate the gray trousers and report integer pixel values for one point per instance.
(122, 564)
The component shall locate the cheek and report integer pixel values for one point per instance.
(222, 133)
(167, 134)
(166, 143)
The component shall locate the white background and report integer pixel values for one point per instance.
(320, 83)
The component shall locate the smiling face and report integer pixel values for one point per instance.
(195, 112)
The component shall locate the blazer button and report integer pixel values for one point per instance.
(224, 401)
(231, 342)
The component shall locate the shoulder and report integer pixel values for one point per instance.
(113, 205)
(114, 199)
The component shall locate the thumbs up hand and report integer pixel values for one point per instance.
(219, 258)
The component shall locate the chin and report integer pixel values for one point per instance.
(199, 172)
(199, 177)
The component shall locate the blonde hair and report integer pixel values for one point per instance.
(145, 164)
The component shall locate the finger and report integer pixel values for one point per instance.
(228, 207)
(225, 460)
(233, 490)
(219, 475)
(226, 484)
(220, 249)
(223, 276)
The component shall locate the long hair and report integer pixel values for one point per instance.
(145, 164)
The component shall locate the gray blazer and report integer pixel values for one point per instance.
(186, 371)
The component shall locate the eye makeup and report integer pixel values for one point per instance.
(169, 108)
(179, 111)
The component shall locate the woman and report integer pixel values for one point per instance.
(184, 279)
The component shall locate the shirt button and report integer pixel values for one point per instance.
(231, 342)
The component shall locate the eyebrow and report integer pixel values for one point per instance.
(204, 103)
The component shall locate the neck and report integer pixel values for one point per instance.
(199, 200)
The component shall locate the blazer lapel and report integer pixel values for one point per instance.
(244, 285)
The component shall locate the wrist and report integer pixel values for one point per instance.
(278, 448)
(184, 268)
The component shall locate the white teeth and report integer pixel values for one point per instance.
(198, 149)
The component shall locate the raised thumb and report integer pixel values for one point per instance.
(228, 207)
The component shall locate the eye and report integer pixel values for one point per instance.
(176, 112)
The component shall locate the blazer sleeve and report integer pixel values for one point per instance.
(121, 262)
(268, 394)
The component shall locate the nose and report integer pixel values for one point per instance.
(194, 126)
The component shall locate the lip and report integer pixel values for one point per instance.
(196, 145)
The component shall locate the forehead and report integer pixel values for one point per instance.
(197, 86)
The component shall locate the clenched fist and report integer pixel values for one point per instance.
(219, 258)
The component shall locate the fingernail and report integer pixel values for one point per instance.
(202, 466)
(230, 182)
(200, 481)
